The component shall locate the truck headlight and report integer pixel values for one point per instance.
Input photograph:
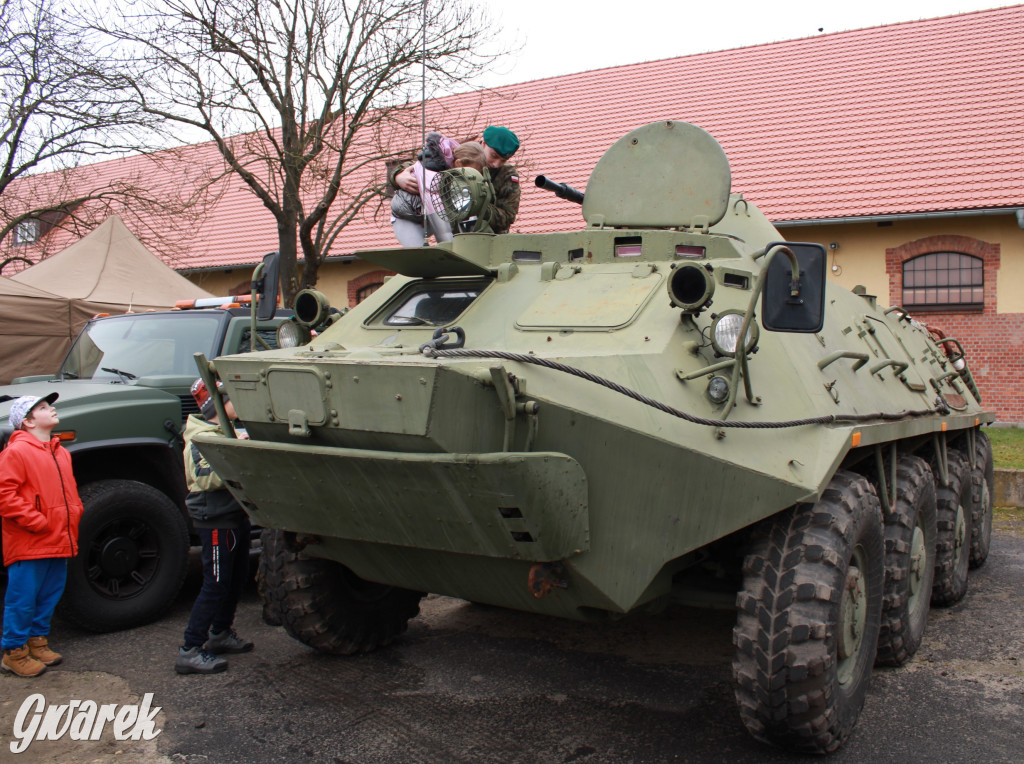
(292, 334)
(725, 333)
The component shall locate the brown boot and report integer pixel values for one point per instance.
(19, 662)
(40, 650)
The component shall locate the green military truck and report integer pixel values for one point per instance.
(124, 394)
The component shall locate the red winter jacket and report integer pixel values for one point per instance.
(38, 500)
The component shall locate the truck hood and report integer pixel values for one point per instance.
(86, 405)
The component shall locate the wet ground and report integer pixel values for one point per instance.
(474, 684)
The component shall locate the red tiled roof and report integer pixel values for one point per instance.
(915, 117)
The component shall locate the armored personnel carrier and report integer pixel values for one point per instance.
(668, 403)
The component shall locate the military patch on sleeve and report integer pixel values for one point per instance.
(514, 178)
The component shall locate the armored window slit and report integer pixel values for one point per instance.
(521, 536)
(510, 513)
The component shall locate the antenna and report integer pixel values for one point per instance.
(423, 98)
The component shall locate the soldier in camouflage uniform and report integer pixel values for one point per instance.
(499, 144)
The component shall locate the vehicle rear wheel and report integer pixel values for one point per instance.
(953, 537)
(808, 618)
(132, 558)
(982, 496)
(324, 605)
(909, 563)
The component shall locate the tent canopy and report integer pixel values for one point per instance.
(35, 330)
(111, 267)
(43, 308)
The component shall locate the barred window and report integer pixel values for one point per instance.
(944, 280)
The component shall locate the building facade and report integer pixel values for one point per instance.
(901, 148)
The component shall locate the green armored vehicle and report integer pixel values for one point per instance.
(669, 403)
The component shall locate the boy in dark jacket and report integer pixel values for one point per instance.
(41, 511)
(223, 528)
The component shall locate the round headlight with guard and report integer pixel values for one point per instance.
(725, 333)
(291, 334)
(458, 194)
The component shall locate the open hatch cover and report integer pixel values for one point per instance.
(426, 262)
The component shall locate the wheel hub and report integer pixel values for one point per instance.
(854, 612)
(119, 556)
(121, 559)
(918, 557)
(960, 534)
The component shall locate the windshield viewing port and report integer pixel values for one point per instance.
(434, 303)
(123, 348)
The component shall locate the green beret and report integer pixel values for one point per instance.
(502, 140)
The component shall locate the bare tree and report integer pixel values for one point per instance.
(62, 102)
(303, 98)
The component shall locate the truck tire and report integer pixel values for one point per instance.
(953, 536)
(808, 618)
(270, 612)
(909, 563)
(132, 557)
(324, 605)
(982, 497)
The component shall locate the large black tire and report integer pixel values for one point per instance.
(270, 612)
(324, 605)
(909, 563)
(953, 537)
(808, 618)
(132, 558)
(982, 495)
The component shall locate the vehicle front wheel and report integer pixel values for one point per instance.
(808, 618)
(132, 558)
(326, 606)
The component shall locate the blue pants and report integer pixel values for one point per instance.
(33, 590)
(225, 570)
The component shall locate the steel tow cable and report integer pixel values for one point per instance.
(433, 352)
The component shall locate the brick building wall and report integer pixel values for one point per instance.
(359, 286)
(992, 341)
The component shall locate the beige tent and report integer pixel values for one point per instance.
(35, 330)
(110, 267)
(44, 307)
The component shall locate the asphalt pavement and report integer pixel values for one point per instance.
(473, 684)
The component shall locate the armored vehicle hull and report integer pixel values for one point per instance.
(565, 423)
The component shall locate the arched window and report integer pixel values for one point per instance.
(944, 280)
(365, 291)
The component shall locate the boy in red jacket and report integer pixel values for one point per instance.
(40, 510)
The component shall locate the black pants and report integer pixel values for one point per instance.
(225, 570)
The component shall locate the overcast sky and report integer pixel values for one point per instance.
(566, 36)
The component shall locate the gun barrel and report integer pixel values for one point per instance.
(561, 190)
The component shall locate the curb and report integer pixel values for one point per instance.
(1009, 488)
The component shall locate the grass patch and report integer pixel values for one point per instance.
(1007, 447)
(1008, 520)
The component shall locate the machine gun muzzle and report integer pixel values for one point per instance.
(560, 190)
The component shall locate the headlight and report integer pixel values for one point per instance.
(460, 193)
(725, 333)
(718, 389)
(291, 334)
